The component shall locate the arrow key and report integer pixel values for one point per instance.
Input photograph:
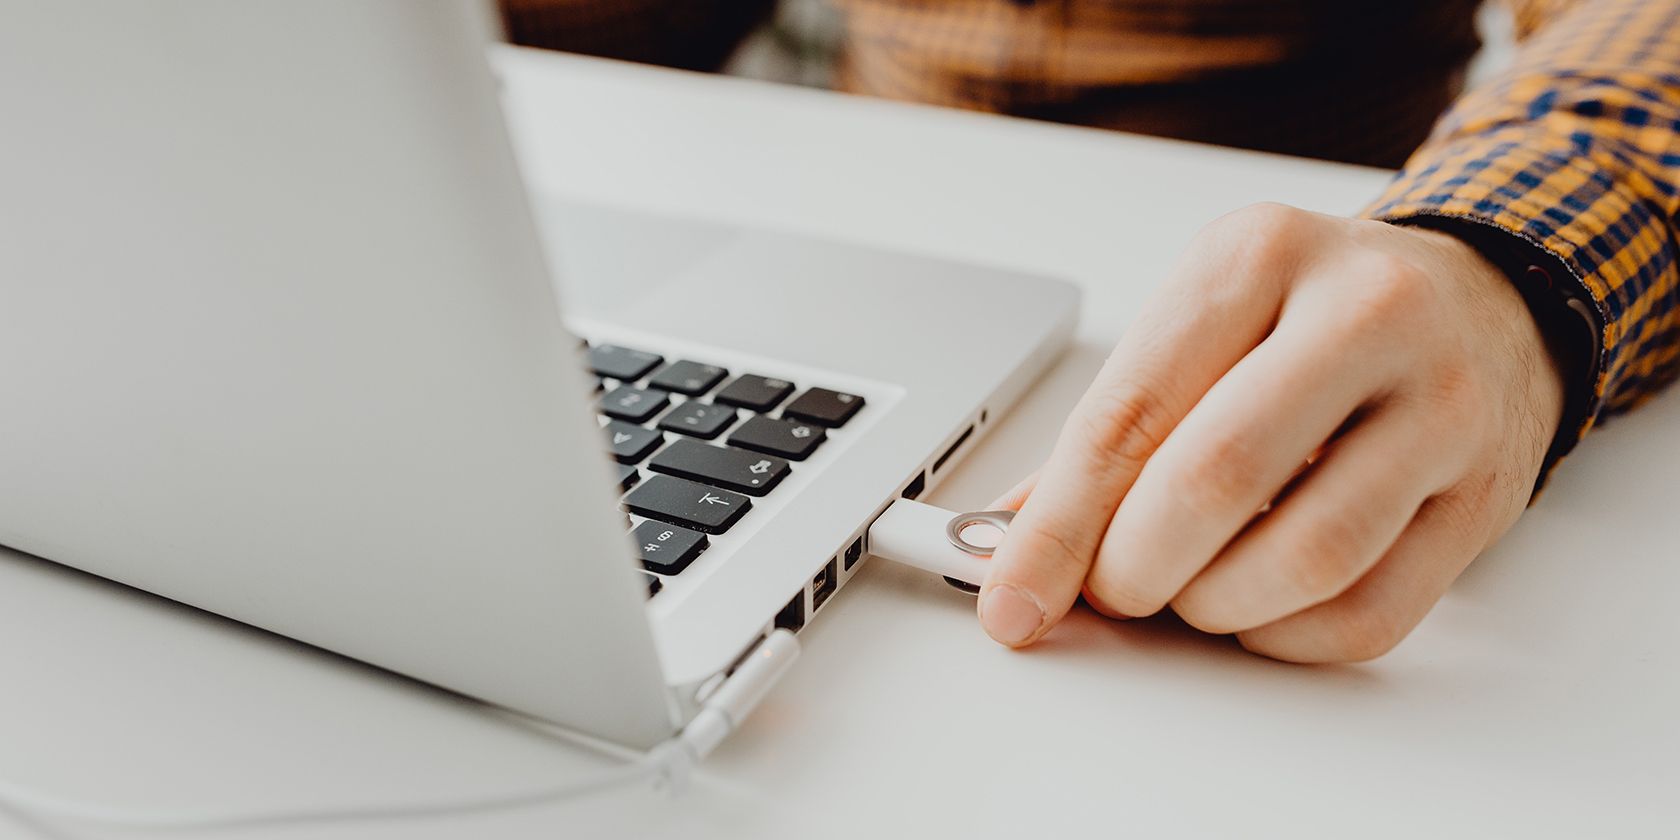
(630, 444)
(721, 466)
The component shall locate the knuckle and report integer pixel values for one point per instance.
(1200, 612)
(1456, 387)
(1122, 427)
(1392, 273)
(1387, 295)
(1341, 635)
(1259, 233)
(1059, 551)
(1358, 635)
(1454, 396)
(1116, 594)
(1265, 217)
(1465, 510)
(1102, 607)
(1220, 477)
(1324, 557)
(1262, 641)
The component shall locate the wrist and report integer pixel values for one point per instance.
(1509, 341)
(1558, 306)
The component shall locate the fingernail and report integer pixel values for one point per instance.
(1010, 615)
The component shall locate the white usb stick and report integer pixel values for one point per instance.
(932, 539)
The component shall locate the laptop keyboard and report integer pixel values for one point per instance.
(695, 443)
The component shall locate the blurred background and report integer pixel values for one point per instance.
(800, 41)
(1351, 81)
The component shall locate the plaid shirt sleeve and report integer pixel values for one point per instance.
(1574, 155)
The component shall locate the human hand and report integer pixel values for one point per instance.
(1397, 361)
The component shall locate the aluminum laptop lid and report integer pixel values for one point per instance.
(278, 342)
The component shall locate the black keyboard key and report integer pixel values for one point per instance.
(653, 584)
(631, 443)
(698, 419)
(787, 438)
(686, 377)
(823, 407)
(621, 363)
(754, 392)
(667, 549)
(627, 402)
(627, 476)
(746, 472)
(682, 502)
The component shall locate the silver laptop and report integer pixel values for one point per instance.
(279, 340)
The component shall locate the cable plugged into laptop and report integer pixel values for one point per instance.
(725, 709)
(669, 766)
(908, 532)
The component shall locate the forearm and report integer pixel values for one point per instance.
(1575, 153)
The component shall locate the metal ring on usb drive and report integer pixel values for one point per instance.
(998, 519)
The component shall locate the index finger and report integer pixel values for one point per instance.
(1220, 304)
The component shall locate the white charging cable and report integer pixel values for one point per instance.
(668, 767)
(909, 532)
(40, 804)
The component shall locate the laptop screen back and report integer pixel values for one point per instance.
(278, 342)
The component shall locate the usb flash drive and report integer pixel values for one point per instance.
(932, 539)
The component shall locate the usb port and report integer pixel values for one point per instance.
(792, 616)
(854, 553)
(916, 486)
(824, 584)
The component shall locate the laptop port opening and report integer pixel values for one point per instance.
(824, 584)
(916, 486)
(792, 616)
(854, 553)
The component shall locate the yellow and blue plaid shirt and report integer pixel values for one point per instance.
(1568, 161)
(1575, 151)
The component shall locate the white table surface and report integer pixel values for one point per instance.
(1539, 699)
